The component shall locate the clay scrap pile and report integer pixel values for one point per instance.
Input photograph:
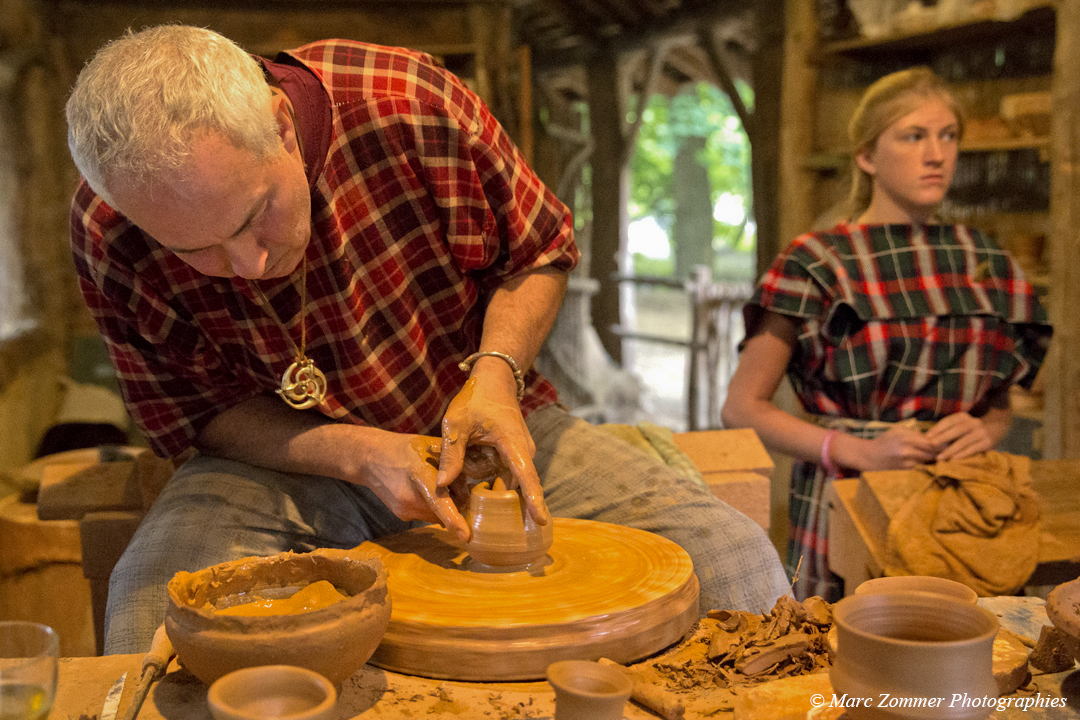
(745, 648)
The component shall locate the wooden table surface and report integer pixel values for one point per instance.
(375, 693)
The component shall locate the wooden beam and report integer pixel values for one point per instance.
(608, 196)
(795, 133)
(765, 131)
(727, 84)
(680, 22)
(654, 65)
(1061, 415)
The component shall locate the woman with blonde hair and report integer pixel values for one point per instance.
(900, 334)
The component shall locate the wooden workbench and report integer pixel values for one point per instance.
(860, 509)
(375, 694)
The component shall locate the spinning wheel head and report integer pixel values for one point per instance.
(601, 591)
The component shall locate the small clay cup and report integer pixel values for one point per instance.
(335, 641)
(1063, 609)
(914, 646)
(919, 583)
(272, 692)
(504, 534)
(586, 690)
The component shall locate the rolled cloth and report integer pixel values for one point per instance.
(976, 521)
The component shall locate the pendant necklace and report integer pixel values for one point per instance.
(303, 385)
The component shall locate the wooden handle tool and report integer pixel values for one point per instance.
(154, 664)
(655, 698)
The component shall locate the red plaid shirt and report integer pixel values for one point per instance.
(421, 205)
(901, 321)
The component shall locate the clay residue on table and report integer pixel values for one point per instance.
(733, 649)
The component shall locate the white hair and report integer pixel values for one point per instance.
(143, 98)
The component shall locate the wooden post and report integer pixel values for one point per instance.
(525, 103)
(764, 133)
(796, 132)
(608, 190)
(1061, 414)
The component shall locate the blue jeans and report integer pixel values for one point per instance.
(214, 510)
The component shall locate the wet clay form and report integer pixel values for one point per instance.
(334, 641)
(272, 691)
(601, 591)
(586, 690)
(1063, 609)
(919, 583)
(504, 534)
(913, 645)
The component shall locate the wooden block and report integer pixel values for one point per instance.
(855, 554)
(39, 575)
(881, 494)
(786, 699)
(747, 492)
(70, 490)
(725, 451)
(27, 542)
(105, 536)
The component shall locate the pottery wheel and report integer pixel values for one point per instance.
(602, 591)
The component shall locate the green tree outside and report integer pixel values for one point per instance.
(702, 118)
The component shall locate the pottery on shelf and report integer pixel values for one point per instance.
(270, 692)
(587, 690)
(334, 641)
(1063, 609)
(504, 534)
(919, 583)
(913, 645)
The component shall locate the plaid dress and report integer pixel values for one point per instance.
(895, 323)
(421, 206)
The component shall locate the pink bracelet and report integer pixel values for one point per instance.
(826, 458)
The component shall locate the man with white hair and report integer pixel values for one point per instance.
(348, 228)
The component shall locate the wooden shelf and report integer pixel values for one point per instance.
(1039, 18)
(831, 160)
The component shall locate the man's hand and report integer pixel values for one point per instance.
(403, 475)
(961, 436)
(486, 412)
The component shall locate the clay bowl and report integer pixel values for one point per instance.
(503, 533)
(334, 641)
(919, 583)
(272, 692)
(1063, 609)
(913, 645)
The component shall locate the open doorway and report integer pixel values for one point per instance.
(691, 236)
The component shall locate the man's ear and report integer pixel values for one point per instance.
(865, 160)
(279, 105)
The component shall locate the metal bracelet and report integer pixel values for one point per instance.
(519, 377)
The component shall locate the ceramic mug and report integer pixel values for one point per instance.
(919, 583)
(913, 656)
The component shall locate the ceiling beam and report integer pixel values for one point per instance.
(687, 19)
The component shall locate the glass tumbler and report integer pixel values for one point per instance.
(28, 668)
